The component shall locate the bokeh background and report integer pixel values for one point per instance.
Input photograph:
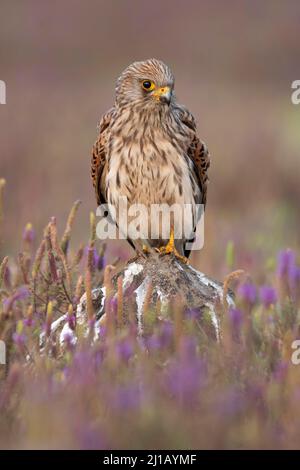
(234, 63)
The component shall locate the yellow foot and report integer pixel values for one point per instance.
(170, 248)
(146, 250)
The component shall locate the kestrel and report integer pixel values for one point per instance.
(148, 151)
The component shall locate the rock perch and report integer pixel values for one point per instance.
(161, 282)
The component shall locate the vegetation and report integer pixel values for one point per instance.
(174, 387)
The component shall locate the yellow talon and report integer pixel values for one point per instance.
(170, 248)
(146, 249)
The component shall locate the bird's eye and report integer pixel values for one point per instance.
(148, 85)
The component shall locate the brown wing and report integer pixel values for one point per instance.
(199, 156)
(197, 152)
(99, 158)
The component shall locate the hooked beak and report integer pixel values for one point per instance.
(163, 94)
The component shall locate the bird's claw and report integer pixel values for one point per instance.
(171, 249)
(163, 250)
(146, 250)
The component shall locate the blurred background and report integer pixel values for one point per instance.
(234, 63)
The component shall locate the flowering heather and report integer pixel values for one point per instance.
(247, 292)
(74, 383)
(268, 296)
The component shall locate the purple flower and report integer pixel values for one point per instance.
(247, 292)
(285, 262)
(113, 305)
(236, 318)
(103, 332)
(72, 321)
(98, 259)
(255, 394)
(91, 323)
(230, 403)
(28, 234)
(281, 371)
(188, 348)
(162, 338)
(92, 255)
(268, 296)
(46, 328)
(19, 339)
(184, 380)
(20, 294)
(186, 375)
(294, 276)
(193, 313)
(90, 437)
(28, 322)
(127, 397)
(153, 342)
(84, 368)
(101, 263)
(69, 340)
(288, 270)
(125, 349)
(166, 333)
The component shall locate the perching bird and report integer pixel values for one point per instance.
(148, 151)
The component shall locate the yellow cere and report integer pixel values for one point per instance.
(161, 92)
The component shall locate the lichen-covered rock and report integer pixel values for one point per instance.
(160, 282)
(154, 283)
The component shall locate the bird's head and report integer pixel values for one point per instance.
(147, 82)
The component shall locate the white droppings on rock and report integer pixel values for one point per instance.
(140, 293)
(57, 323)
(97, 329)
(81, 314)
(178, 264)
(164, 301)
(103, 290)
(210, 283)
(81, 310)
(205, 280)
(54, 326)
(230, 301)
(133, 270)
(214, 319)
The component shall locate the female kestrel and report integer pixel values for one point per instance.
(148, 151)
